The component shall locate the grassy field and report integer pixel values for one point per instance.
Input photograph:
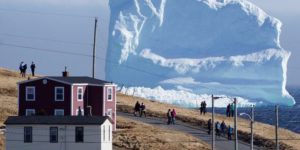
(129, 135)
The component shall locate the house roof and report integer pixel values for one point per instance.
(71, 80)
(56, 120)
(79, 79)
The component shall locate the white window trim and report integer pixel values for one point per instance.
(81, 93)
(109, 88)
(63, 98)
(56, 110)
(26, 111)
(82, 111)
(29, 87)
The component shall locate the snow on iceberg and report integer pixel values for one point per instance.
(225, 47)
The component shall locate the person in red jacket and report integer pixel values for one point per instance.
(173, 115)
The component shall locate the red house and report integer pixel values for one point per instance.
(68, 96)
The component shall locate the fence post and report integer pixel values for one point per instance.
(235, 125)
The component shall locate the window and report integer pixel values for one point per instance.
(30, 93)
(59, 112)
(79, 93)
(30, 112)
(27, 134)
(59, 93)
(109, 113)
(53, 134)
(79, 134)
(109, 94)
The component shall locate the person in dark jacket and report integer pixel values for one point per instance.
(169, 116)
(228, 110)
(204, 107)
(223, 127)
(24, 68)
(232, 110)
(21, 68)
(142, 110)
(137, 108)
(209, 126)
(32, 67)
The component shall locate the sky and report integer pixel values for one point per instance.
(34, 30)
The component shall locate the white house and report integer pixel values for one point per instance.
(58, 133)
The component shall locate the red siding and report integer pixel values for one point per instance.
(44, 103)
(110, 104)
(76, 102)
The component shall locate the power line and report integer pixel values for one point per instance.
(45, 13)
(45, 39)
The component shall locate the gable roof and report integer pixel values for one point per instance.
(78, 79)
(71, 80)
(56, 120)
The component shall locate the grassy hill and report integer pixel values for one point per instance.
(129, 135)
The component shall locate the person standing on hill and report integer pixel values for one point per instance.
(32, 67)
(142, 110)
(228, 110)
(21, 68)
(173, 115)
(232, 110)
(169, 116)
(24, 68)
(204, 107)
(201, 108)
(209, 126)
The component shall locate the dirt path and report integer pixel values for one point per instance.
(221, 142)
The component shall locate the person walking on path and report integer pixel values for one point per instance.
(142, 110)
(230, 132)
(223, 127)
(228, 110)
(32, 67)
(209, 126)
(232, 110)
(204, 107)
(169, 116)
(137, 108)
(173, 115)
(218, 129)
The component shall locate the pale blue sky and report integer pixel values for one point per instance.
(39, 21)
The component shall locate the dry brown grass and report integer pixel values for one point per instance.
(139, 136)
(263, 132)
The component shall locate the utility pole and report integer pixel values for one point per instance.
(213, 122)
(252, 121)
(94, 47)
(276, 127)
(235, 125)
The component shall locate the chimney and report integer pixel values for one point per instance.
(65, 73)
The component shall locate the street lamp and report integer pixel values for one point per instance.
(213, 120)
(251, 124)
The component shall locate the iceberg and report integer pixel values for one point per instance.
(197, 48)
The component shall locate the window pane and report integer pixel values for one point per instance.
(27, 134)
(53, 134)
(79, 134)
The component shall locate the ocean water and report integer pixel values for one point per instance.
(289, 117)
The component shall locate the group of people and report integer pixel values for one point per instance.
(171, 114)
(220, 129)
(230, 110)
(203, 108)
(23, 68)
(140, 109)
